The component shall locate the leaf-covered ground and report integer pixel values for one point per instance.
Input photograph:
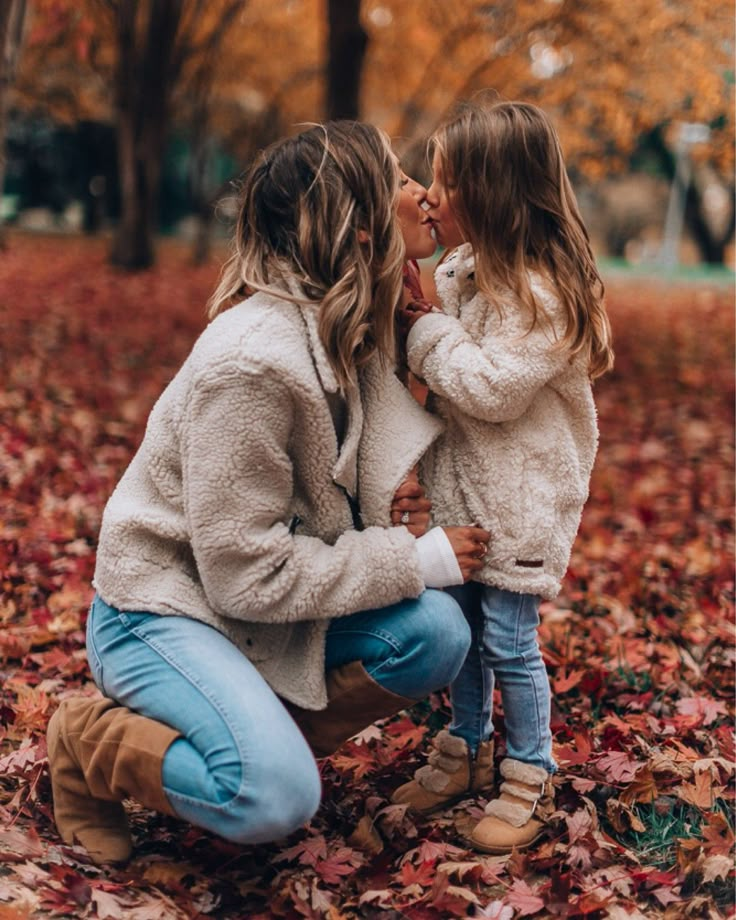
(639, 646)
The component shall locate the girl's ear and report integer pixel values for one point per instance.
(363, 236)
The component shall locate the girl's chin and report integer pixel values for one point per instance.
(425, 253)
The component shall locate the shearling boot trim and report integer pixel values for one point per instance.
(445, 763)
(510, 812)
(520, 792)
(432, 780)
(453, 745)
(450, 755)
(522, 772)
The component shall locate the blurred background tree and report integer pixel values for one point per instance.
(192, 89)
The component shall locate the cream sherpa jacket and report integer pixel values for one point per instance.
(234, 512)
(521, 432)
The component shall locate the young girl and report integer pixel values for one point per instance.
(508, 363)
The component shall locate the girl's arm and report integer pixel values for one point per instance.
(238, 493)
(495, 379)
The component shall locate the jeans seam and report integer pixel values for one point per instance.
(530, 676)
(216, 704)
(384, 636)
(485, 701)
(95, 654)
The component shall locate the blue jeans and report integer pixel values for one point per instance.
(504, 649)
(242, 768)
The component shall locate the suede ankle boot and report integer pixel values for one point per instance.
(354, 701)
(519, 816)
(99, 754)
(452, 773)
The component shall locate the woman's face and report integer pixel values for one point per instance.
(415, 222)
(439, 197)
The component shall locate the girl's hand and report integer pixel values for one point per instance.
(411, 507)
(470, 545)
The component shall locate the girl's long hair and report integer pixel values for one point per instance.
(511, 195)
(317, 224)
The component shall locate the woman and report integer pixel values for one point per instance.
(236, 574)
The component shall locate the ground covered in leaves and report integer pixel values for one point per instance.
(639, 646)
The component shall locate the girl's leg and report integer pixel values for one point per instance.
(411, 648)
(462, 762)
(471, 693)
(511, 650)
(241, 768)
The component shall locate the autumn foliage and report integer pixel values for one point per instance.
(639, 647)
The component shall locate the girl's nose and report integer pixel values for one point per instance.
(432, 197)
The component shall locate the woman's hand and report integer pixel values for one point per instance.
(411, 507)
(470, 545)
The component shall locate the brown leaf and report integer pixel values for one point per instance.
(623, 817)
(365, 837)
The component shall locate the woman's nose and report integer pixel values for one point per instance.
(432, 197)
(418, 191)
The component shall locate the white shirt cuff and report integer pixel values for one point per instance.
(437, 560)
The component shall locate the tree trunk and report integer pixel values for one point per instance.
(139, 151)
(202, 203)
(12, 18)
(711, 246)
(144, 76)
(346, 47)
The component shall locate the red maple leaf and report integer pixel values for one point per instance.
(423, 874)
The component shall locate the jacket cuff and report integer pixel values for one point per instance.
(424, 334)
(437, 561)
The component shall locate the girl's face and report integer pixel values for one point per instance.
(439, 197)
(415, 222)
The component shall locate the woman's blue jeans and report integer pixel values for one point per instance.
(242, 768)
(504, 649)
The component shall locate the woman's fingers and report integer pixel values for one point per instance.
(418, 517)
(409, 489)
(419, 503)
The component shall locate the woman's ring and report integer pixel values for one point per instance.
(404, 517)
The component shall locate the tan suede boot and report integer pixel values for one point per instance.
(518, 817)
(99, 754)
(354, 701)
(451, 774)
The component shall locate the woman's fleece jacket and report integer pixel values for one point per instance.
(234, 509)
(521, 434)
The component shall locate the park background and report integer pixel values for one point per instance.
(125, 124)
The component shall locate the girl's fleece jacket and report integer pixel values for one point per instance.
(521, 434)
(234, 509)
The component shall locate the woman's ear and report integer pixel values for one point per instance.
(363, 236)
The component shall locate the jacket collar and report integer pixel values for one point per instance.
(345, 470)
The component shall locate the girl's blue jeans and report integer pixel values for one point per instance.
(242, 768)
(504, 649)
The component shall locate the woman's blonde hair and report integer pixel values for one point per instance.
(511, 195)
(317, 224)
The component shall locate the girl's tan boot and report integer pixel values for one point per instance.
(451, 774)
(518, 817)
(99, 754)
